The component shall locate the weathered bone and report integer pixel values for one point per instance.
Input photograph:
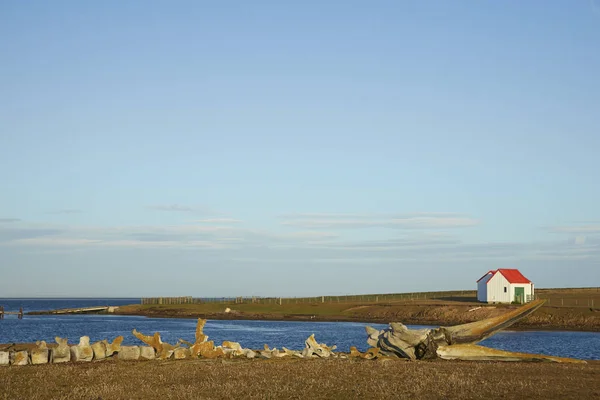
(456, 342)
(289, 352)
(129, 353)
(99, 349)
(202, 347)
(19, 357)
(163, 350)
(180, 353)
(473, 352)
(114, 347)
(147, 353)
(200, 336)
(39, 354)
(61, 353)
(314, 348)
(371, 353)
(82, 351)
(475, 332)
(4, 358)
(235, 349)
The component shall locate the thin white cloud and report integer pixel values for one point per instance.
(575, 229)
(420, 220)
(172, 207)
(66, 211)
(218, 221)
(52, 241)
(7, 220)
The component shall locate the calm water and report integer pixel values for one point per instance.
(252, 334)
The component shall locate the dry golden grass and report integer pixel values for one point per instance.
(300, 379)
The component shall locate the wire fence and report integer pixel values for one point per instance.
(587, 297)
(363, 298)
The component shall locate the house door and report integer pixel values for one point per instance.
(520, 295)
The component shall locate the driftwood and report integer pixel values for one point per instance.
(455, 342)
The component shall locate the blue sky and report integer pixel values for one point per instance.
(296, 148)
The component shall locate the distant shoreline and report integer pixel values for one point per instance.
(424, 313)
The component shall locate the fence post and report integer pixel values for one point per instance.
(322, 299)
(562, 302)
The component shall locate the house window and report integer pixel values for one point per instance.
(504, 289)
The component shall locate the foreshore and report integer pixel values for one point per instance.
(424, 313)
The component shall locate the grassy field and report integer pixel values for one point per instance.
(300, 379)
(565, 309)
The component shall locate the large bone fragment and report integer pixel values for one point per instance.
(207, 350)
(164, 350)
(371, 353)
(200, 336)
(180, 353)
(455, 342)
(475, 332)
(234, 349)
(99, 349)
(4, 358)
(114, 347)
(473, 352)
(61, 353)
(129, 353)
(294, 353)
(39, 354)
(317, 349)
(19, 357)
(82, 351)
(147, 353)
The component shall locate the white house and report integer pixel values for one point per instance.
(504, 286)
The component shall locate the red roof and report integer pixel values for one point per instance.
(511, 275)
